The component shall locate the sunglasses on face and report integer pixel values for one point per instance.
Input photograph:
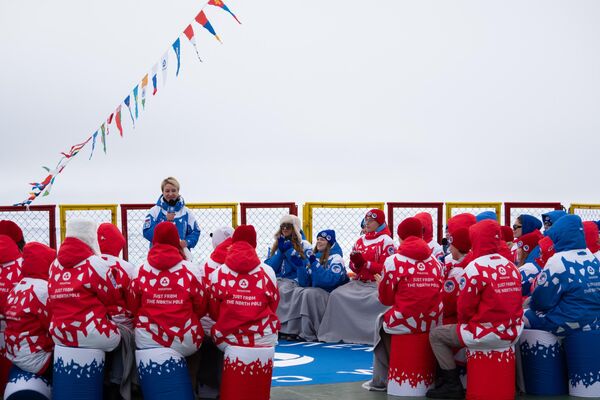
(285, 226)
(515, 227)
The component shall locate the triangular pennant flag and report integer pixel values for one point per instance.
(164, 64)
(135, 99)
(103, 138)
(189, 33)
(127, 101)
(118, 120)
(94, 143)
(154, 82)
(220, 4)
(144, 85)
(108, 122)
(177, 49)
(202, 20)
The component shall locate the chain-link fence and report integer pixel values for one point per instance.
(343, 218)
(99, 213)
(587, 212)
(513, 210)
(209, 218)
(453, 209)
(38, 223)
(398, 212)
(265, 219)
(132, 217)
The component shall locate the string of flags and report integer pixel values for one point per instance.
(142, 91)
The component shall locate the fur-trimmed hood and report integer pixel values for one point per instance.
(85, 230)
(290, 219)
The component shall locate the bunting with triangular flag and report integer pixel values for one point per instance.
(93, 144)
(143, 86)
(103, 137)
(43, 188)
(154, 82)
(221, 5)
(177, 50)
(202, 20)
(127, 102)
(118, 120)
(189, 33)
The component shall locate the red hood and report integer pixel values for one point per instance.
(37, 258)
(373, 235)
(546, 251)
(427, 223)
(73, 251)
(110, 239)
(415, 248)
(242, 257)
(486, 239)
(9, 251)
(220, 252)
(590, 229)
(164, 256)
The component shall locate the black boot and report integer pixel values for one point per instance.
(451, 388)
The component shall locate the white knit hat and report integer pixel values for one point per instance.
(220, 234)
(85, 230)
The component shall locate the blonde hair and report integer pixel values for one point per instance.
(169, 181)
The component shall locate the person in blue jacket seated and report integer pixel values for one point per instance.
(324, 272)
(289, 253)
(171, 207)
(526, 230)
(326, 266)
(566, 296)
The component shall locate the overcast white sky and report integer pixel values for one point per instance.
(308, 101)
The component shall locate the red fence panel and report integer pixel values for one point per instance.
(38, 223)
(399, 211)
(265, 218)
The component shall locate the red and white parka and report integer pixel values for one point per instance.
(375, 248)
(454, 272)
(490, 312)
(111, 242)
(168, 299)
(244, 299)
(411, 284)
(10, 274)
(28, 342)
(214, 262)
(81, 292)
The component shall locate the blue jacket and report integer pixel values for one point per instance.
(184, 221)
(328, 276)
(286, 265)
(567, 295)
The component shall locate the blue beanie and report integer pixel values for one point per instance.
(329, 235)
(529, 223)
(553, 216)
(486, 215)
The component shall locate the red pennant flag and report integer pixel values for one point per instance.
(118, 120)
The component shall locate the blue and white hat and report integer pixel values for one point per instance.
(329, 235)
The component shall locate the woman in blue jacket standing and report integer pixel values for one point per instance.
(171, 207)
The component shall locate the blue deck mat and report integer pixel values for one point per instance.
(308, 363)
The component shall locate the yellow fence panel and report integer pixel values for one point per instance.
(474, 208)
(343, 218)
(587, 212)
(97, 212)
